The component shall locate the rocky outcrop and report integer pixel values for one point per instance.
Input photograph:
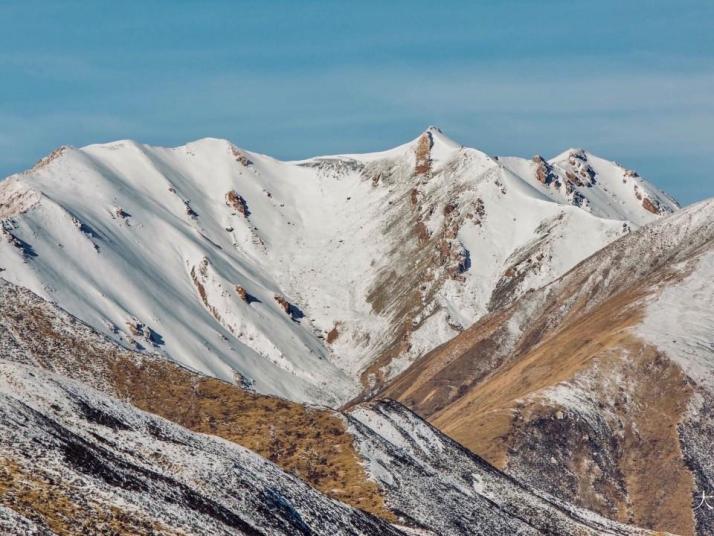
(121, 213)
(333, 334)
(240, 156)
(243, 294)
(544, 171)
(649, 206)
(54, 155)
(237, 203)
(422, 153)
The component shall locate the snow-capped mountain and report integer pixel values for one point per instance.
(80, 456)
(604, 188)
(598, 387)
(313, 280)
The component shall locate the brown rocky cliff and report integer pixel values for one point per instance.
(423, 154)
(237, 203)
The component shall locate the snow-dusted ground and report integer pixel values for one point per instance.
(680, 322)
(190, 251)
(88, 448)
(434, 483)
(93, 455)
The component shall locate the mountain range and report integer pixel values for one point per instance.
(425, 340)
(316, 280)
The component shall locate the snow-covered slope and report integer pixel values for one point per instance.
(433, 482)
(596, 388)
(602, 187)
(311, 280)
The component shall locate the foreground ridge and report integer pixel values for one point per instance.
(77, 460)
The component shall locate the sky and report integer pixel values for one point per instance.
(629, 81)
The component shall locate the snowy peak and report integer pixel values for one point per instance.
(611, 187)
(604, 188)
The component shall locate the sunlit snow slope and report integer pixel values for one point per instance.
(311, 280)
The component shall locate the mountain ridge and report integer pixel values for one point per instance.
(595, 386)
(75, 403)
(252, 264)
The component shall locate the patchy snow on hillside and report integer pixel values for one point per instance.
(434, 483)
(680, 318)
(112, 459)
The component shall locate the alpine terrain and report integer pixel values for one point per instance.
(427, 340)
(315, 280)
(597, 387)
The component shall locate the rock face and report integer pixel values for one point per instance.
(403, 249)
(237, 203)
(77, 460)
(594, 388)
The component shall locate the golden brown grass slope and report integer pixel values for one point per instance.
(310, 442)
(560, 392)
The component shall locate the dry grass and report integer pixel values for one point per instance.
(423, 155)
(308, 442)
(311, 443)
(65, 510)
(483, 402)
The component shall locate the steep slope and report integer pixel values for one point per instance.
(595, 388)
(310, 442)
(433, 482)
(129, 472)
(604, 188)
(77, 462)
(313, 280)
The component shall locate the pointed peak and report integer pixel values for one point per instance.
(437, 137)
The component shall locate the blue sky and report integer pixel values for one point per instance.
(631, 81)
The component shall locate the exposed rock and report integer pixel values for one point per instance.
(333, 334)
(54, 155)
(121, 213)
(291, 309)
(282, 302)
(544, 171)
(648, 205)
(240, 156)
(25, 249)
(189, 211)
(423, 154)
(237, 203)
(242, 293)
